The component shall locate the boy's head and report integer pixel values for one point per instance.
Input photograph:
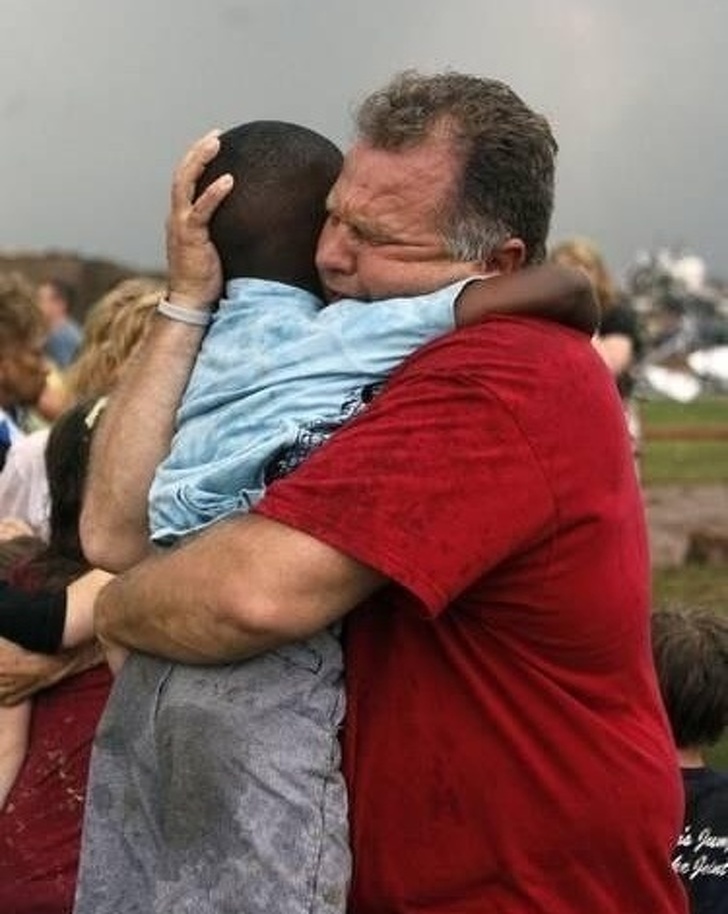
(691, 658)
(268, 226)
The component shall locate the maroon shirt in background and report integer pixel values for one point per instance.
(505, 746)
(40, 827)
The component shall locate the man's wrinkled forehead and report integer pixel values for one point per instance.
(384, 178)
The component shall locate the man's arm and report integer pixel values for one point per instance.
(548, 290)
(135, 430)
(131, 438)
(246, 585)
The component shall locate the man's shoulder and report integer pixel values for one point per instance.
(523, 342)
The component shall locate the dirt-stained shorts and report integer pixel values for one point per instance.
(219, 789)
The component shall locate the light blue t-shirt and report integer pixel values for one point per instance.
(277, 373)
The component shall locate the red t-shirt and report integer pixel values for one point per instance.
(40, 828)
(505, 747)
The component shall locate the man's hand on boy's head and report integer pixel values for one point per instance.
(195, 272)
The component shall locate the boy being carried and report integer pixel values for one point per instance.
(277, 373)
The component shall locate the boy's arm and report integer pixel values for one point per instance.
(549, 290)
(14, 736)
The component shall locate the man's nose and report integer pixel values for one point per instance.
(335, 253)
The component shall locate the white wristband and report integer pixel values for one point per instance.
(184, 315)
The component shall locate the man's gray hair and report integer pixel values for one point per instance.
(506, 184)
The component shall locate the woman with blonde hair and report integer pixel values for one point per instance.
(113, 329)
(618, 341)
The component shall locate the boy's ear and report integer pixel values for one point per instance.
(508, 258)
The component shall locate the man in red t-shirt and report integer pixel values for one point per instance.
(505, 747)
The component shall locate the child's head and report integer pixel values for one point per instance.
(691, 658)
(268, 226)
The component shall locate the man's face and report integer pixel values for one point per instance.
(23, 371)
(381, 238)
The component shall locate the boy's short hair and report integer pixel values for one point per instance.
(691, 657)
(268, 225)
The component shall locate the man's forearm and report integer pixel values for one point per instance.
(132, 437)
(244, 586)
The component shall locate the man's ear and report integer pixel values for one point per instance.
(508, 258)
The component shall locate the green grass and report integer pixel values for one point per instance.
(704, 586)
(689, 463)
(701, 412)
(680, 460)
(684, 462)
(718, 755)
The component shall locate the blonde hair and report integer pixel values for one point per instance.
(580, 252)
(113, 329)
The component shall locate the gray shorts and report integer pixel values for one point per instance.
(219, 789)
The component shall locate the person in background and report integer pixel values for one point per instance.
(113, 328)
(23, 368)
(44, 754)
(17, 544)
(691, 656)
(55, 300)
(618, 341)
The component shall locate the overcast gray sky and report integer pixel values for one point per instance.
(98, 99)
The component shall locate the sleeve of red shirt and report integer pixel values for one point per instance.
(434, 484)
